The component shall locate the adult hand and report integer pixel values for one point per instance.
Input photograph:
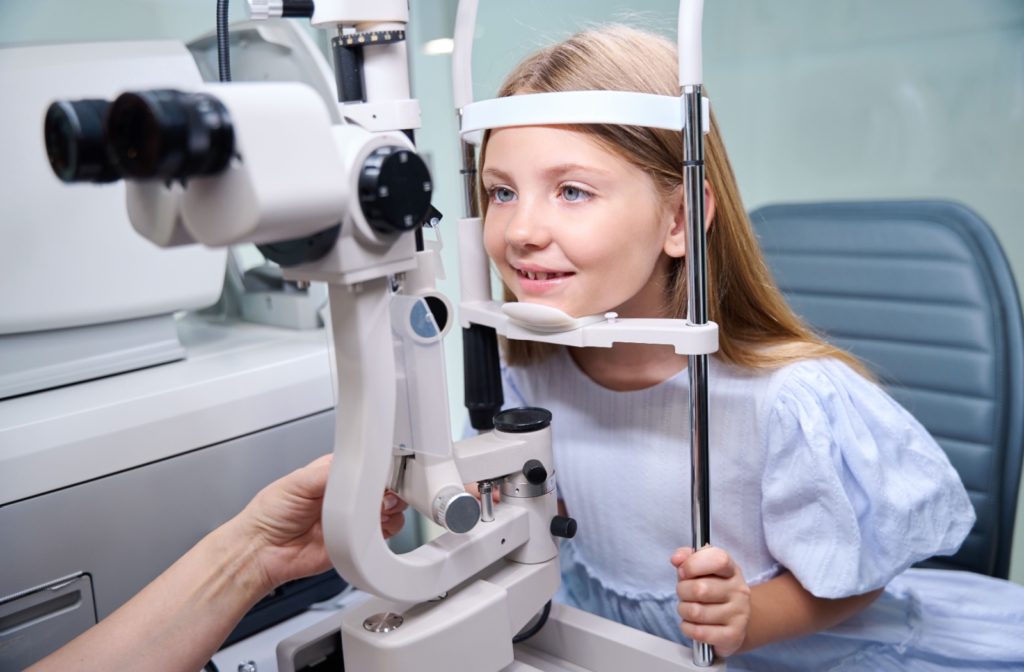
(283, 522)
(179, 620)
(714, 598)
(474, 489)
(392, 516)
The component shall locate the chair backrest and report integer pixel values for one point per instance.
(922, 292)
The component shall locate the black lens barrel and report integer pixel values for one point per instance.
(76, 142)
(169, 134)
(159, 134)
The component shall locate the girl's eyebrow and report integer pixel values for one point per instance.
(553, 171)
(497, 174)
(563, 168)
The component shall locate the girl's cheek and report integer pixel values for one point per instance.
(492, 242)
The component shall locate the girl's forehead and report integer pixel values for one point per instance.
(540, 147)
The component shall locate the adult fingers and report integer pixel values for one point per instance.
(474, 489)
(305, 483)
(322, 461)
(392, 525)
(392, 503)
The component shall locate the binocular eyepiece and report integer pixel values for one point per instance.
(76, 142)
(159, 134)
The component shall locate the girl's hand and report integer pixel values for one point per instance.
(714, 598)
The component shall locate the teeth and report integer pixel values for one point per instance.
(530, 275)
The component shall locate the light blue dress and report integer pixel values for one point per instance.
(814, 470)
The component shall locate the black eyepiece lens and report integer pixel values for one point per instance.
(169, 134)
(76, 141)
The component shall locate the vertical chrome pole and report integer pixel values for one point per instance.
(697, 313)
(462, 90)
(471, 206)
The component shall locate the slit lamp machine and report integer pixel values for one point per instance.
(344, 203)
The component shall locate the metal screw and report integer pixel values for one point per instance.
(383, 622)
(248, 666)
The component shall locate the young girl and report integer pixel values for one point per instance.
(823, 489)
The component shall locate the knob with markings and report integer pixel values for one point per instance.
(394, 190)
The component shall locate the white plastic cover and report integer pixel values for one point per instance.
(573, 107)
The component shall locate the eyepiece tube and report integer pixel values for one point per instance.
(170, 135)
(76, 141)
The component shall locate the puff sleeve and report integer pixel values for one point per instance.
(854, 489)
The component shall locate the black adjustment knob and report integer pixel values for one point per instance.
(518, 420)
(563, 526)
(535, 472)
(394, 190)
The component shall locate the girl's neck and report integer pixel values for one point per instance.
(628, 366)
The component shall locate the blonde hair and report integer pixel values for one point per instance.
(757, 328)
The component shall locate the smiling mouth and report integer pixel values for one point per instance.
(530, 275)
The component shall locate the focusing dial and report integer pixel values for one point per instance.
(394, 190)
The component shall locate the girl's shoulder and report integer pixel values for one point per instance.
(816, 383)
(813, 383)
(842, 455)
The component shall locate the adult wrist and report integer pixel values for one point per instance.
(243, 548)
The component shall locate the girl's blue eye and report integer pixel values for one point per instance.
(573, 194)
(502, 194)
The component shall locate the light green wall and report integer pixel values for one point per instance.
(816, 100)
(28, 21)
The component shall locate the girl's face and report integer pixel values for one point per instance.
(574, 226)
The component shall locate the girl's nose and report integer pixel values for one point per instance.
(527, 228)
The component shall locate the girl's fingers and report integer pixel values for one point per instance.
(680, 556)
(707, 590)
(708, 561)
(726, 639)
(706, 614)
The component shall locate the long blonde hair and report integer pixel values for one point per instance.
(757, 328)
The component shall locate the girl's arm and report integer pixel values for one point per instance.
(781, 608)
(718, 607)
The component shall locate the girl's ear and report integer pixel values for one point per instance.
(675, 241)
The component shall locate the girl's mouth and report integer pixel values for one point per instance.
(536, 283)
(541, 275)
